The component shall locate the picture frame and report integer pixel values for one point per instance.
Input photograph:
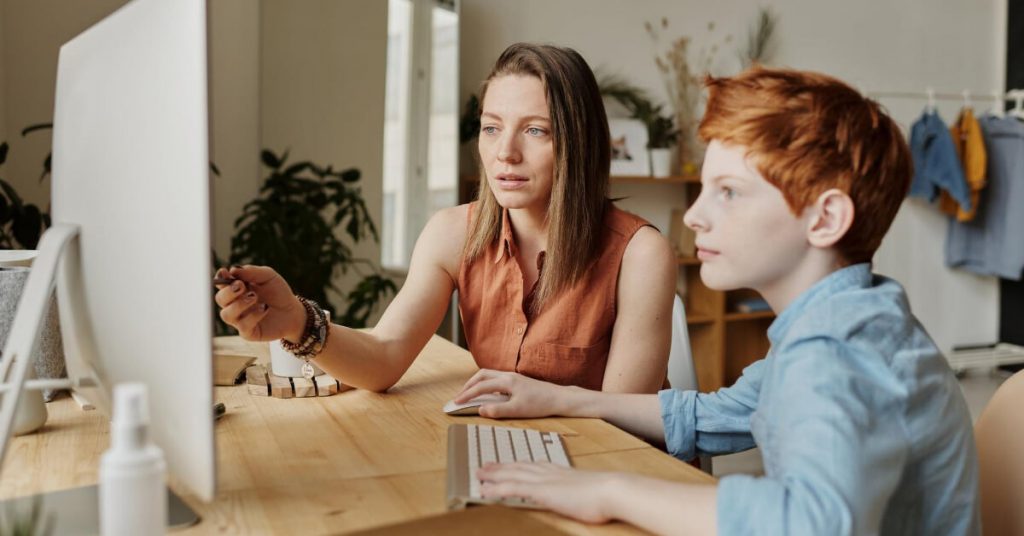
(629, 147)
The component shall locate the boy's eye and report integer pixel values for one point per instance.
(728, 193)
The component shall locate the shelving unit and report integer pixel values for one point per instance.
(723, 340)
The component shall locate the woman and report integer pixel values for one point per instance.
(554, 282)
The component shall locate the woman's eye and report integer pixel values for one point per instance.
(534, 131)
(728, 193)
(489, 130)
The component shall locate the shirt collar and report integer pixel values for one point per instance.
(853, 276)
(507, 244)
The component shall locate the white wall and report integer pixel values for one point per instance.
(322, 83)
(876, 45)
(32, 33)
(234, 51)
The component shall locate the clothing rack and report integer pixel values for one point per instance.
(999, 98)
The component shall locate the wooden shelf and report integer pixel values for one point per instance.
(733, 317)
(641, 179)
(687, 261)
(699, 319)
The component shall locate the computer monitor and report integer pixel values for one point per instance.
(130, 247)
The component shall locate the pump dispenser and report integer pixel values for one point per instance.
(133, 493)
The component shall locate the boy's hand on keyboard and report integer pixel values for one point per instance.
(577, 494)
(528, 398)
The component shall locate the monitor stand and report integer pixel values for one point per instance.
(76, 511)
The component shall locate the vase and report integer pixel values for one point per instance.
(661, 162)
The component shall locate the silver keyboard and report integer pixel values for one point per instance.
(470, 446)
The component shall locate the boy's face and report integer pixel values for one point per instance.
(747, 237)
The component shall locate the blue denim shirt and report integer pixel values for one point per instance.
(936, 164)
(860, 421)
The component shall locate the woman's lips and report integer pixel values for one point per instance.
(508, 181)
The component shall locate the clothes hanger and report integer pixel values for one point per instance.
(998, 104)
(930, 92)
(1018, 104)
(967, 98)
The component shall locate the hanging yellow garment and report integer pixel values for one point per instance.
(970, 147)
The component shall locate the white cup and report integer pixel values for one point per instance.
(284, 363)
(31, 413)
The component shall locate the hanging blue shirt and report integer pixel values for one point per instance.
(991, 243)
(936, 164)
(860, 421)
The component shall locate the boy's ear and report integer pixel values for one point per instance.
(833, 216)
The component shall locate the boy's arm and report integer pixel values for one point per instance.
(835, 441)
(684, 420)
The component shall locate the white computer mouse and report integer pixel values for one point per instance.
(472, 407)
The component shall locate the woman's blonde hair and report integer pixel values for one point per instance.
(579, 128)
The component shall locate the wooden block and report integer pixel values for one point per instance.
(303, 387)
(325, 385)
(227, 369)
(256, 380)
(280, 387)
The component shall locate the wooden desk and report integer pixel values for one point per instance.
(333, 464)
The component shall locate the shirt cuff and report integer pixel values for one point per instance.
(679, 416)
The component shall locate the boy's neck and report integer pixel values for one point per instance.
(814, 267)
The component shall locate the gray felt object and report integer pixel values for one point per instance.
(48, 361)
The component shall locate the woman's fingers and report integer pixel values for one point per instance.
(249, 324)
(233, 311)
(491, 385)
(229, 293)
(479, 376)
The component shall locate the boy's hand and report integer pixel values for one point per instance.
(260, 304)
(580, 495)
(528, 398)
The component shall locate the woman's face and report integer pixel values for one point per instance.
(516, 147)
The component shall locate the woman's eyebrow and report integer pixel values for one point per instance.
(526, 118)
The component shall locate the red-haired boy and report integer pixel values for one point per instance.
(860, 422)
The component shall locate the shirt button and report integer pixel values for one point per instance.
(519, 330)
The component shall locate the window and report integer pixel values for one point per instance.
(421, 121)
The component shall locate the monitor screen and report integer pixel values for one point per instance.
(130, 169)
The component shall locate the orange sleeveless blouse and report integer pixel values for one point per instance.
(567, 342)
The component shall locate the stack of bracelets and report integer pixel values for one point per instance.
(314, 337)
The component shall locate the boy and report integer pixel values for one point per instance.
(860, 422)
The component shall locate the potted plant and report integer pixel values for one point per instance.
(661, 128)
(290, 226)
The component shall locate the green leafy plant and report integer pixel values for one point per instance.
(21, 223)
(291, 224)
(661, 126)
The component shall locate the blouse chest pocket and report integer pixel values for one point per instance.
(565, 365)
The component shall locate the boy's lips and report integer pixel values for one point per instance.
(704, 253)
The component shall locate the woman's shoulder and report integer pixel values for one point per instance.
(622, 222)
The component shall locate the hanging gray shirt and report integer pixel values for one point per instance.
(993, 242)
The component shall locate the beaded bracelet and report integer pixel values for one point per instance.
(314, 336)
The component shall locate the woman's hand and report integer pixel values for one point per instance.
(528, 398)
(580, 495)
(260, 304)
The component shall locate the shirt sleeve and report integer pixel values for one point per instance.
(711, 423)
(836, 449)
